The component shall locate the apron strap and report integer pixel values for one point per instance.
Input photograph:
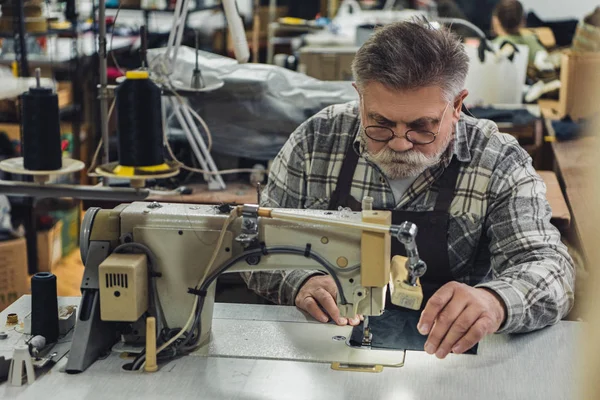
(447, 186)
(341, 193)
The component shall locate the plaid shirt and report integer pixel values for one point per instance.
(499, 237)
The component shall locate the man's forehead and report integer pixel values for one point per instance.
(402, 105)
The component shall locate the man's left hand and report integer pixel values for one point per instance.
(458, 316)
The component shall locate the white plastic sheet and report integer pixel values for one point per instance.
(259, 105)
(498, 79)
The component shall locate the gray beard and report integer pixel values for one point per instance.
(410, 163)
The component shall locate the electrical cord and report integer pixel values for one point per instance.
(94, 162)
(191, 342)
(112, 53)
(298, 251)
(193, 317)
(203, 171)
(183, 103)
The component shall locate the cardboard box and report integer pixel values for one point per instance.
(579, 95)
(64, 91)
(49, 247)
(328, 63)
(13, 271)
(70, 227)
(544, 34)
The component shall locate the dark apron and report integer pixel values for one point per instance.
(432, 237)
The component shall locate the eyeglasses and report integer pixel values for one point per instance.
(382, 134)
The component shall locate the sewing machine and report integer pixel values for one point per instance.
(163, 259)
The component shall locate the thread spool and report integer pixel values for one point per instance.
(139, 124)
(41, 139)
(44, 306)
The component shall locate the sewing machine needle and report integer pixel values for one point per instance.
(367, 336)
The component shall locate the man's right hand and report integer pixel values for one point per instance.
(321, 291)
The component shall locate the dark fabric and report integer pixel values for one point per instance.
(567, 129)
(479, 12)
(395, 329)
(563, 30)
(432, 236)
(516, 117)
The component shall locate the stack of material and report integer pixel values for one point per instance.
(587, 37)
(35, 22)
(579, 76)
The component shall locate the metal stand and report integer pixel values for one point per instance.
(199, 147)
(181, 110)
(103, 91)
(20, 45)
(92, 336)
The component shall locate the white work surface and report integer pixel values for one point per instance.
(539, 365)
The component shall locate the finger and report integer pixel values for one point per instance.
(310, 305)
(362, 318)
(480, 328)
(444, 320)
(327, 301)
(330, 286)
(354, 321)
(435, 304)
(459, 328)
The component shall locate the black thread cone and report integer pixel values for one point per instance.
(41, 139)
(140, 123)
(44, 306)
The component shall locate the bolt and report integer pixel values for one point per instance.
(154, 204)
(253, 260)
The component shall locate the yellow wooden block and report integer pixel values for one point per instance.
(375, 251)
(404, 294)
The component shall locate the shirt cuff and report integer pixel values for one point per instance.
(292, 282)
(513, 300)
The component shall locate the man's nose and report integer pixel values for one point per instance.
(400, 144)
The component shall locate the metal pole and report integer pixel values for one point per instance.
(103, 92)
(34, 190)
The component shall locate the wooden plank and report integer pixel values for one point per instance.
(549, 109)
(575, 161)
(561, 217)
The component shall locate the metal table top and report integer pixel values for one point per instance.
(538, 365)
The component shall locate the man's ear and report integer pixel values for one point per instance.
(458, 102)
(360, 101)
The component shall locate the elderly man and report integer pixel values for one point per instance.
(495, 263)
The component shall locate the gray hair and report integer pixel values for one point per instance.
(412, 54)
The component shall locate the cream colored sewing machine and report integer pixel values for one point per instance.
(163, 260)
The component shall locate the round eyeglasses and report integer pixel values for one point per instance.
(384, 134)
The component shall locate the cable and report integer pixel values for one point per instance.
(197, 170)
(194, 114)
(94, 162)
(330, 268)
(299, 251)
(112, 53)
(203, 287)
(192, 318)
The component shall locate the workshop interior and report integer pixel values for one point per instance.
(172, 222)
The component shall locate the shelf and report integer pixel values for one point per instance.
(166, 11)
(50, 32)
